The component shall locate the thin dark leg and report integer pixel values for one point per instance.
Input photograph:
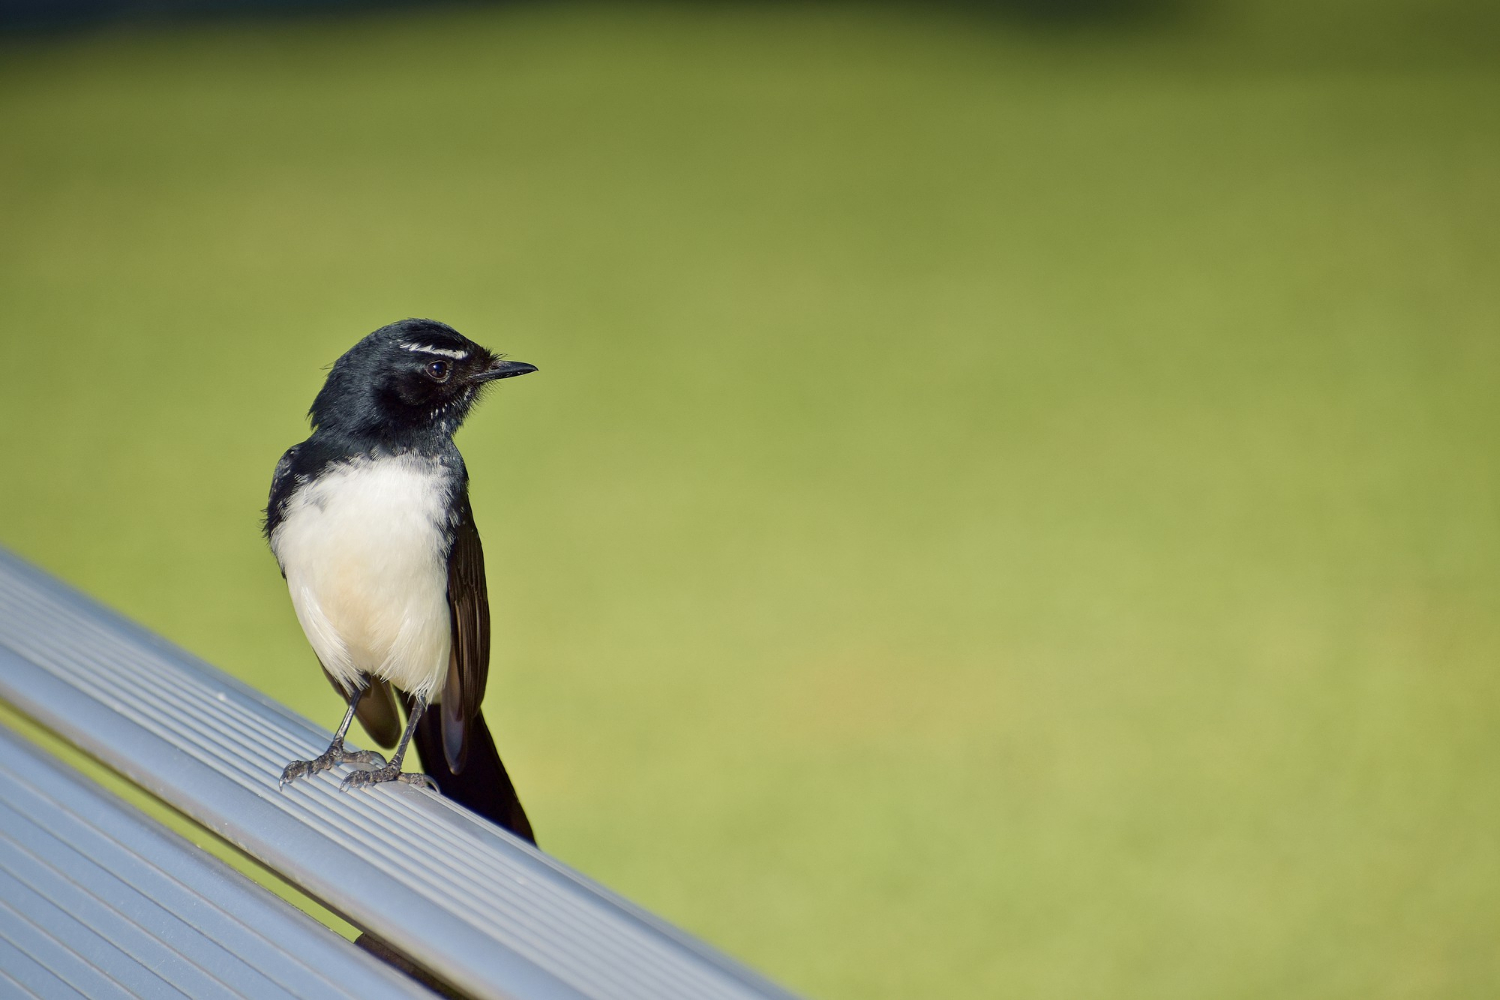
(392, 771)
(338, 737)
(335, 754)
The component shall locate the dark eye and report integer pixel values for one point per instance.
(438, 370)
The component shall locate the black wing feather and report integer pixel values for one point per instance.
(457, 749)
(469, 661)
(283, 485)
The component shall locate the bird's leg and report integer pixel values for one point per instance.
(335, 754)
(392, 771)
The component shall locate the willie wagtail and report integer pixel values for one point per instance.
(370, 521)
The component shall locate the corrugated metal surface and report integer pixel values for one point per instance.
(99, 900)
(480, 908)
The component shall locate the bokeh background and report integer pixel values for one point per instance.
(1009, 506)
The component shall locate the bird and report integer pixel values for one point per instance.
(370, 522)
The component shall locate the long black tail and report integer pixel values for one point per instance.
(483, 785)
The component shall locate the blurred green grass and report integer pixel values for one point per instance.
(1004, 510)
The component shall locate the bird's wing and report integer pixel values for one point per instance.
(469, 660)
(283, 484)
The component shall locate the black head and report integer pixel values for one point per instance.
(408, 381)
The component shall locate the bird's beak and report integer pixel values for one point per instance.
(503, 369)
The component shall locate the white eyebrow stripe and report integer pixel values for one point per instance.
(426, 349)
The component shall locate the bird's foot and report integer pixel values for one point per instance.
(390, 772)
(334, 755)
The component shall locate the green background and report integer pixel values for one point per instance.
(1009, 506)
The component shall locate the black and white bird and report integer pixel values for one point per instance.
(369, 519)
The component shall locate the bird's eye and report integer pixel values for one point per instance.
(438, 370)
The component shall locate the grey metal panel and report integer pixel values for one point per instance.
(24, 975)
(98, 900)
(484, 910)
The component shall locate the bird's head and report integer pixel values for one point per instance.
(410, 380)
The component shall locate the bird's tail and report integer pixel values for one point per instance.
(482, 785)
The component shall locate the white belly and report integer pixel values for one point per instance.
(362, 549)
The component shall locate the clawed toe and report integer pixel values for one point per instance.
(419, 780)
(297, 769)
(380, 775)
(367, 757)
(363, 779)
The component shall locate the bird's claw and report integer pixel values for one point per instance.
(328, 759)
(390, 772)
(295, 770)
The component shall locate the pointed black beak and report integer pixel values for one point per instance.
(503, 369)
